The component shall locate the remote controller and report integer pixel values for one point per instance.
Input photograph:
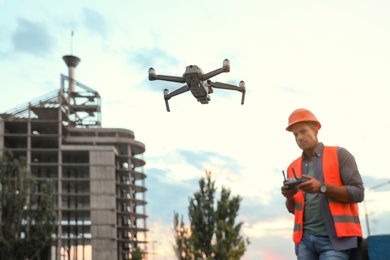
(291, 183)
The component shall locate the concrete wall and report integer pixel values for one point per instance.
(103, 203)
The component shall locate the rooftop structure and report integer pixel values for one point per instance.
(98, 172)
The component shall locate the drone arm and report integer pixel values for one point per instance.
(225, 86)
(225, 68)
(168, 78)
(177, 92)
(212, 74)
(240, 88)
(153, 76)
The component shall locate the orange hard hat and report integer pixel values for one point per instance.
(301, 115)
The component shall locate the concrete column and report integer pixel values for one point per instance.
(72, 62)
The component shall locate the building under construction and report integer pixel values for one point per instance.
(98, 172)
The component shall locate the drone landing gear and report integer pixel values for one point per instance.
(240, 88)
(168, 95)
(167, 105)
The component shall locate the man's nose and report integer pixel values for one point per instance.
(299, 137)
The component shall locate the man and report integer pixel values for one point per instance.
(326, 222)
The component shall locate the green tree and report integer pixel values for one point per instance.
(137, 254)
(201, 214)
(229, 243)
(27, 217)
(213, 233)
(182, 246)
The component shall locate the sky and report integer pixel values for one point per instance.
(331, 57)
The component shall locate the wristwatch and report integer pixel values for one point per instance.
(323, 188)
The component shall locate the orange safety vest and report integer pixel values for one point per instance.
(345, 215)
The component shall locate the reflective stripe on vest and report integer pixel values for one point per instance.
(345, 215)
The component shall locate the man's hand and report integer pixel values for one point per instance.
(311, 186)
(336, 192)
(288, 193)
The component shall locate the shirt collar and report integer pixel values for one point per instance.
(317, 151)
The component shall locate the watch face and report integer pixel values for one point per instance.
(323, 189)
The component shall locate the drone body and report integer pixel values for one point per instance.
(198, 83)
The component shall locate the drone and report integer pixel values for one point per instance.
(198, 82)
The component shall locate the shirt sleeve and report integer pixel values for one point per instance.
(350, 175)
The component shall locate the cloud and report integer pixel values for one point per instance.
(199, 158)
(256, 209)
(166, 197)
(33, 38)
(291, 90)
(154, 57)
(163, 62)
(379, 222)
(95, 22)
(278, 226)
(372, 182)
(161, 240)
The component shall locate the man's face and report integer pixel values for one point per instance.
(305, 135)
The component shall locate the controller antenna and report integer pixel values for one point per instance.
(294, 173)
(284, 175)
